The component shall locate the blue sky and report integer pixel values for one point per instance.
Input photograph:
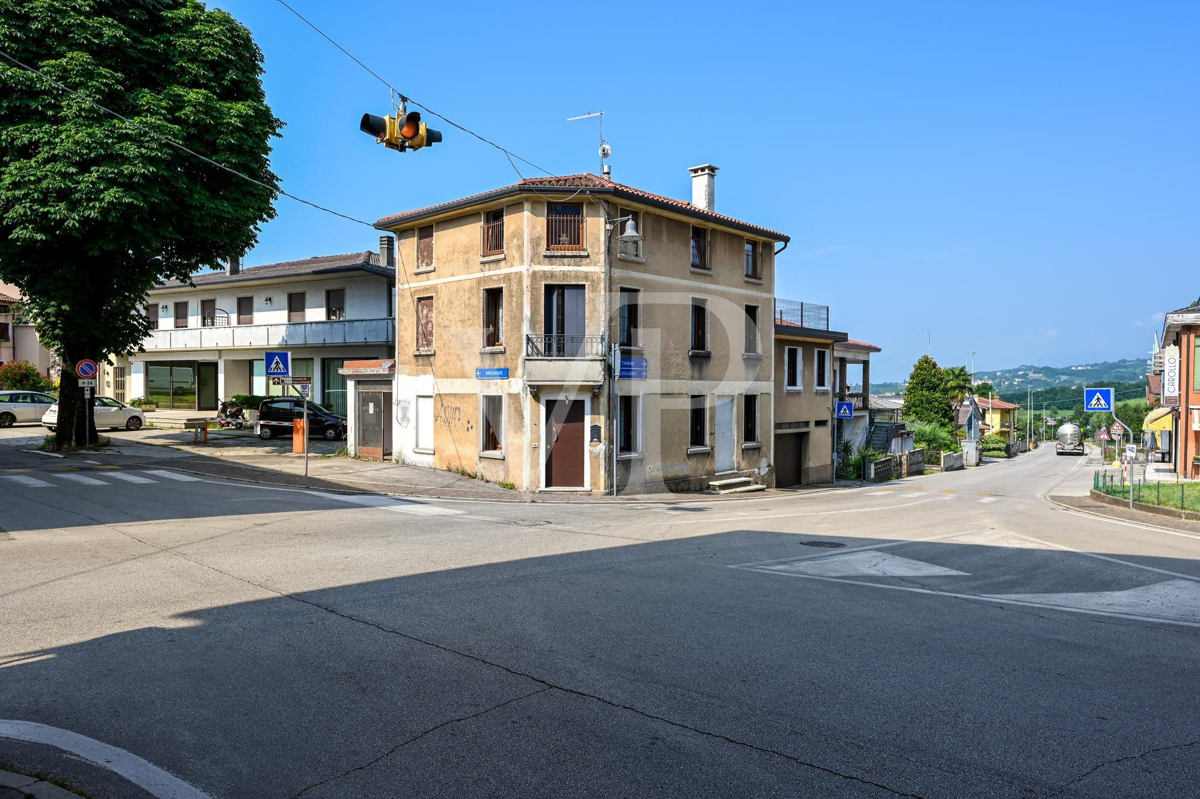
(1020, 178)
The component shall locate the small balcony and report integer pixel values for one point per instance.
(858, 398)
(564, 360)
(801, 314)
(566, 234)
(293, 334)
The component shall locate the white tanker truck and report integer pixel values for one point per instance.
(1070, 440)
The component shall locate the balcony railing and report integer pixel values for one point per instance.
(859, 400)
(218, 318)
(564, 346)
(346, 331)
(492, 238)
(565, 233)
(802, 314)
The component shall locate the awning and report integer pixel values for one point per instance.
(1159, 419)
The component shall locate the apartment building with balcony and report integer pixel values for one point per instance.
(208, 336)
(518, 304)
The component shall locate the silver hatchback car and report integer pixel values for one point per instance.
(23, 406)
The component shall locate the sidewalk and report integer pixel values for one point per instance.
(240, 455)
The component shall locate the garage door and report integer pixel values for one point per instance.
(788, 450)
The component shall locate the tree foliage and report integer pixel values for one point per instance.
(23, 376)
(957, 383)
(94, 210)
(925, 398)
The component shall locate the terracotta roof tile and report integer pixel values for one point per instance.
(8, 299)
(582, 182)
(997, 404)
(366, 260)
(862, 345)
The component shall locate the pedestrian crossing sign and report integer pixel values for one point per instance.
(279, 363)
(1098, 399)
(845, 410)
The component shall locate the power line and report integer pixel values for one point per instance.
(184, 148)
(507, 152)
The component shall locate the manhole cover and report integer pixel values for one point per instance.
(822, 544)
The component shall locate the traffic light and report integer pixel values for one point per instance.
(407, 133)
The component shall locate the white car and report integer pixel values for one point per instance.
(108, 413)
(23, 406)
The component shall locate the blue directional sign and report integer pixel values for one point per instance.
(279, 363)
(1098, 399)
(491, 374)
(634, 369)
(845, 410)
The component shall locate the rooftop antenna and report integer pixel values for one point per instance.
(605, 150)
(928, 339)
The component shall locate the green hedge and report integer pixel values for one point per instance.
(995, 453)
(249, 402)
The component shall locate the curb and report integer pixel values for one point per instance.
(34, 787)
(1145, 507)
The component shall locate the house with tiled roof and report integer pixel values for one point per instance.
(999, 417)
(578, 334)
(209, 334)
(1176, 383)
(18, 339)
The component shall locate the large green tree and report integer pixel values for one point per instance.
(925, 397)
(957, 383)
(95, 210)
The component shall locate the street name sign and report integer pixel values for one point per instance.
(86, 368)
(291, 380)
(845, 410)
(1098, 399)
(634, 369)
(492, 374)
(279, 363)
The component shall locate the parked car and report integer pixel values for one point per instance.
(108, 413)
(275, 417)
(23, 406)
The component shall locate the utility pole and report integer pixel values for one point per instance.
(973, 354)
(928, 339)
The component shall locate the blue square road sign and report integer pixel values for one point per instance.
(845, 410)
(278, 363)
(1098, 399)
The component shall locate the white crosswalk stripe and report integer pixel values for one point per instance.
(986, 500)
(878, 493)
(183, 478)
(130, 478)
(27, 481)
(80, 478)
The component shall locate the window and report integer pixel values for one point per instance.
(245, 310)
(791, 368)
(119, 382)
(629, 249)
(492, 242)
(822, 369)
(750, 419)
(181, 314)
(493, 423)
(699, 325)
(335, 304)
(700, 248)
(296, 305)
(752, 269)
(208, 313)
(627, 424)
(698, 435)
(751, 330)
(425, 247)
(152, 315)
(493, 317)
(564, 226)
(391, 302)
(628, 322)
(5, 335)
(425, 324)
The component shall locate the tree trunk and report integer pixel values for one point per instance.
(76, 426)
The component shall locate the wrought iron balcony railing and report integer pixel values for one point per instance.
(564, 346)
(802, 314)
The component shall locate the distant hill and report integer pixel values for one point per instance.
(1129, 370)
(1011, 383)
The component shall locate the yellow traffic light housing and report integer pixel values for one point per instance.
(409, 133)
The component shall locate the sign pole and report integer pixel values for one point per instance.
(305, 393)
(1129, 430)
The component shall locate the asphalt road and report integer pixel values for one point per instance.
(947, 636)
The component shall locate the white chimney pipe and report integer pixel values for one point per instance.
(704, 186)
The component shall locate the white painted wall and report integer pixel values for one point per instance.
(404, 418)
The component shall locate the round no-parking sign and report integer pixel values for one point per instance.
(86, 369)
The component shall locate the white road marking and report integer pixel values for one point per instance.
(388, 503)
(183, 478)
(913, 495)
(878, 493)
(863, 548)
(1107, 558)
(986, 500)
(754, 517)
(129, 478)
(81, 479)
(863, 564)
(29, 482)
(1175, 599)
(47, 454)
(140, 772)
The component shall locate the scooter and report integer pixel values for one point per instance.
(233, 417)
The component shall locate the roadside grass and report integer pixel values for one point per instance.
(61, 783)
(1183, 496)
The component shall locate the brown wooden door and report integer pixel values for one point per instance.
(564, 443)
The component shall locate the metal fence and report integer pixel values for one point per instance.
(565, 233)
(803, 314)
(564, 346)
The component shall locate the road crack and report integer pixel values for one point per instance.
(415, 738)
(1117, 760)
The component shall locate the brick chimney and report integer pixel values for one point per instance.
(704, 186)
(233, 266)
(387, 251)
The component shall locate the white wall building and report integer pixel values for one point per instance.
(209, 337)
